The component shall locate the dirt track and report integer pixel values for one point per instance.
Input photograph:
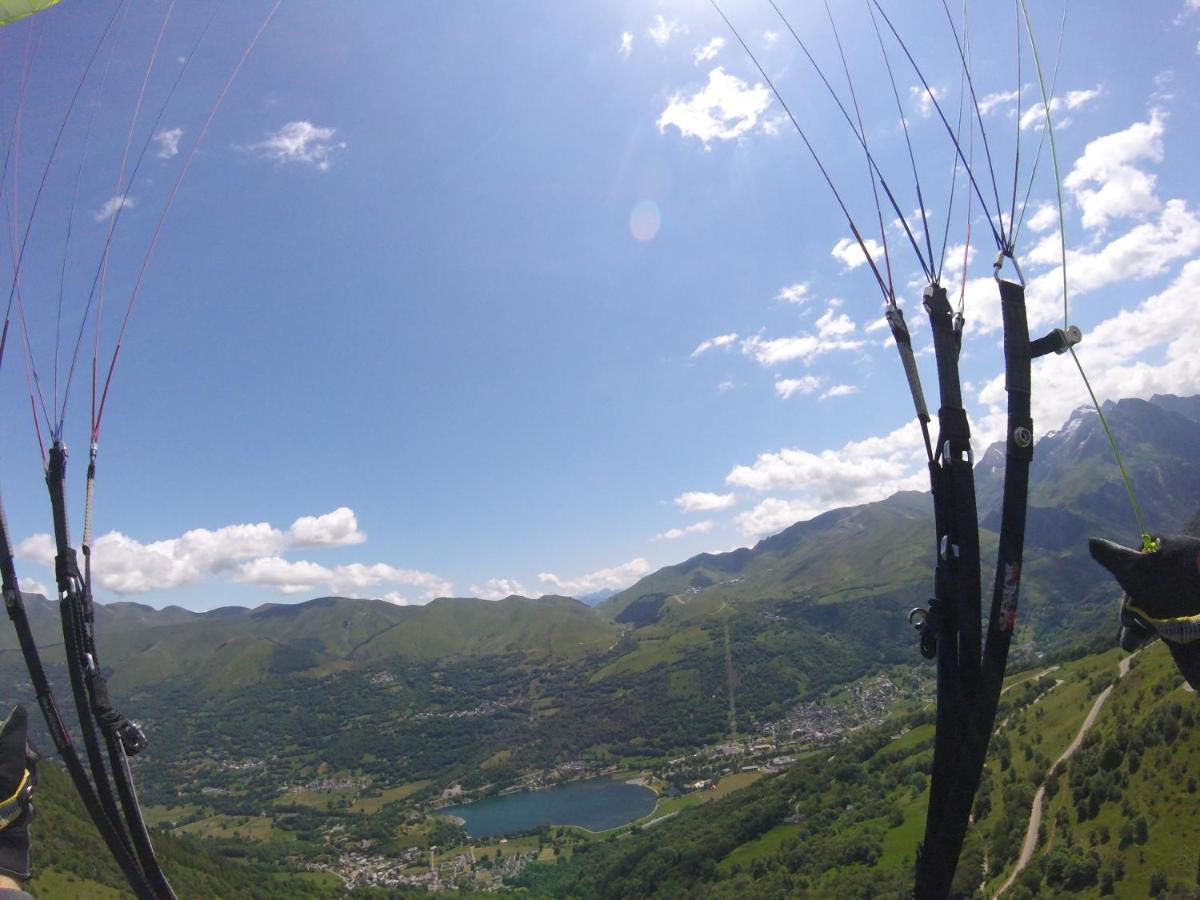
(1035, 815)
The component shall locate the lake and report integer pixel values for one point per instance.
(596, 804)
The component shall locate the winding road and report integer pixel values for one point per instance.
(1035, 814)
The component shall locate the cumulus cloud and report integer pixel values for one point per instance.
(923, 99)
(282, 575)
(709, 51)
(615, 579)
(336, 529)
(833, 324)
(773, 515)
(716, 343)
(111, 205)
(832, 329)
(726, 108)
(499, 588)
(840, 390)
(167, 140)
(33, 586)
(1105, 181)
(1144, 350)
(248, 553)
(990, 102)
(794, 293)
(300, 142)
(1044, 218)
(1035, 116)
(626, 47)
(858, 472)
(851, 254)
(808, 384)
(1144, 251)
(699, 501)
(663, 30)
(675, 534)
(302, 576)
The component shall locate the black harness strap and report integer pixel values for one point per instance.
(970, 676)
(93, 704)
(109, 831)
(955, 606)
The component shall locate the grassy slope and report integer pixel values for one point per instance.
(71, 860)
(860, 807)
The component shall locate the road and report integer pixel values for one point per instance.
(1035, 814)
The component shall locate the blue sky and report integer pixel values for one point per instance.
(538, 297)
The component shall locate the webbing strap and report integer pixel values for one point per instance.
(1180, 629)
(895, 320)
(974, 683)
(956, 600)
(10, 807)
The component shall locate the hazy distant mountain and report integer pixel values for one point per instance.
(595, 598)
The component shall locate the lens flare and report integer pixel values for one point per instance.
(645, 220)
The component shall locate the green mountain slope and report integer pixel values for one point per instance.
(844, 821)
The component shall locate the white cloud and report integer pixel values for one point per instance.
(773, 515)
(1145, 251)
(1105, 181)
(726, 108)
(958, 258)
(924, 99)
(168, 142)
(718, 342)
(38, 548)
(336, 529)
(663, 30)
(499, 588)
(111, 205)
(1141, 351)
(807, 384)
(770, 36)
(1044, 217)
(248, 553)
(780, 350)
(709, 51)
(698, 501)
(805, 347)
(300, 142)
(282, 575)
(839, 390)
(833, 324)
(626, 47)
(1035, 116)
(724, 387)
(303, 576)
(851, 254)
(33, 586)
(858, 472)
(794, 293)
(989, 102)
(675, 534)
(615, 579)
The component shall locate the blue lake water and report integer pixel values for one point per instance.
(597, 804)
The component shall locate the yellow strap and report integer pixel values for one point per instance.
(1181, 629)
(10, 808)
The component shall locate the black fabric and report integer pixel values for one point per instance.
(15, 607)
(17, 757)
(970, 672)
(144, 874)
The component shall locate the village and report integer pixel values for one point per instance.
(708, 774)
